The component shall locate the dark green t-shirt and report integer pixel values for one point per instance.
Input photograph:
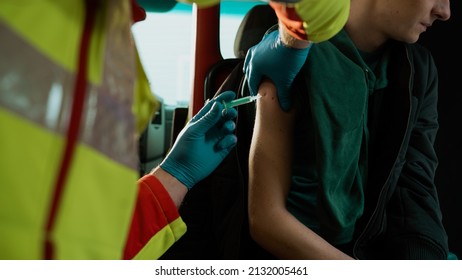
(336, 100)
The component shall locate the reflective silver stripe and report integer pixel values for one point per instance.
(31, 85)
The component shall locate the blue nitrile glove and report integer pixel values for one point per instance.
(272, 59)
(203, 143)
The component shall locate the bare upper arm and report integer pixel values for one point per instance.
(271, 151)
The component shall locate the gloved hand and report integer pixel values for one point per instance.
(203, 143)
(272, 59)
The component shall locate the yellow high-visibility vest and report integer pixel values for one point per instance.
(72, 97)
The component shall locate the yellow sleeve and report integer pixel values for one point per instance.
(313, 20)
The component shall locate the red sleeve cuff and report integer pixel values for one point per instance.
(154, 210)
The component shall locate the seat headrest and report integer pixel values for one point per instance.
(252, 28)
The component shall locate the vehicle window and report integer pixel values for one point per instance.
(164, 42)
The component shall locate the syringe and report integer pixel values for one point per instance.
(241, 101)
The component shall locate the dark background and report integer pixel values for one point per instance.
(443, 40)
